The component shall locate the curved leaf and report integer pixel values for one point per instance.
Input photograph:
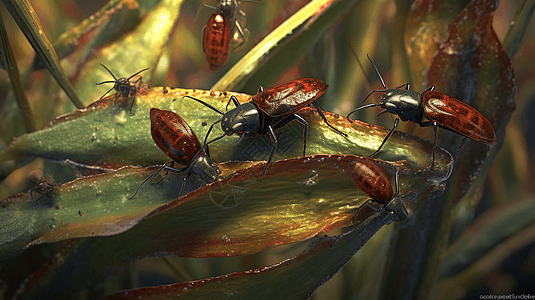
(294, 278)
(426, 29)
(102, 135)
(287, 43)
(105, 24)
(471, 66)
(23, 13)
(235, 216)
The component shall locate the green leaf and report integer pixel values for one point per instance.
(294, 278)
(134, 50)
(490, 240)
(104, 25)
(471, 65)
(111, 137)
(99, 205)
(285, 45)
(7, 61)
(313, 194)
(515, 33)
(24, 14)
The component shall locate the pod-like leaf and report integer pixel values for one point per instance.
(313, 194)
(107, 136)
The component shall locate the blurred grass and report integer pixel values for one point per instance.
(371, 28)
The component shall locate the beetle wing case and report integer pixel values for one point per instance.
(289, 97)
(457, 116)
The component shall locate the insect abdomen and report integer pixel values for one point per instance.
(371, 179)
(216, 41)
(458, 116)
(174, 136)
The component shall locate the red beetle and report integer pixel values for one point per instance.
(368, 177)
(441, 111)
(174, 136)
(123, 86)
(270, 110)
(219, 30)
(216, 41)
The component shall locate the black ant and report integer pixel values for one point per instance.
(123, 86)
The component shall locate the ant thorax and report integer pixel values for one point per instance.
(204, 169)
(229, 8)
(405, 103)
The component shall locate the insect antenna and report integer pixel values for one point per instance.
(150, 177)
(362, 107)
(109, 71)
(199, 12)
(377, 72)
(206, 104)
(136, 74)
(215, 139)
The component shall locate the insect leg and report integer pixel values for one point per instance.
(150, 177)
(396, 122)
(183, 187)
(397, 209)
(274, 140)
(242, 36)
(199, 11)
(106, 92)
(325, 119)
(396, 182)
(116, 97)
(358, 210)
(132, 104)
(434, 124)
(299, 119)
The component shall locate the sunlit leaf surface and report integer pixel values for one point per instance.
(99, 205)
(313, 194)
(426, 29)
(294, 278)
(286, 44)
(107, 136)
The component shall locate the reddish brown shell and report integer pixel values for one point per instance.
(289, 97)
(457, 116)
(368, 177)
(216, 41)
(174, 136)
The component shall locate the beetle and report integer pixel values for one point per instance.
(174, 136)
(216, 41)
(270, 110)
(123, 86)
(368, 177)
(440, 110)
(220, 31)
